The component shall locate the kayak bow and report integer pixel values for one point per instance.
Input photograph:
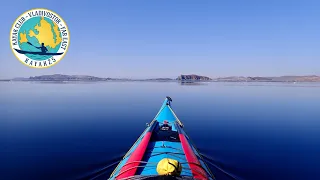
(163, 150)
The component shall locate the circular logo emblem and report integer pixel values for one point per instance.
(39, 38)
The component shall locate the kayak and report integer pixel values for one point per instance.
(37, 53)
(163, 151)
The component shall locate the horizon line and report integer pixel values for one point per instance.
(159, 77)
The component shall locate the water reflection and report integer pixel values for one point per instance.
(192, 83)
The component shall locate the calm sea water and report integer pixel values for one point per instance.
(77, 131)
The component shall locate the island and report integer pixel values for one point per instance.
(193, 77)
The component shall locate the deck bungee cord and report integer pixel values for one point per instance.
(154, 164)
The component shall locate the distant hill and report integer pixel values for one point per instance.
(311, 78)
(19, 79)
(62, 77)
(259, 78)
(159, 79)
(193, 77)
(231, 78)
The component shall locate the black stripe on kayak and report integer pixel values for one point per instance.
(154, 124)
(178, 128)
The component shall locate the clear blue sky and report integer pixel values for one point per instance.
(165, 38)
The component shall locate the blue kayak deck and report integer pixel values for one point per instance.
(158, 150)
(163, 149)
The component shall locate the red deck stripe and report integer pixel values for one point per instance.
(136, 155)
(191, 157)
